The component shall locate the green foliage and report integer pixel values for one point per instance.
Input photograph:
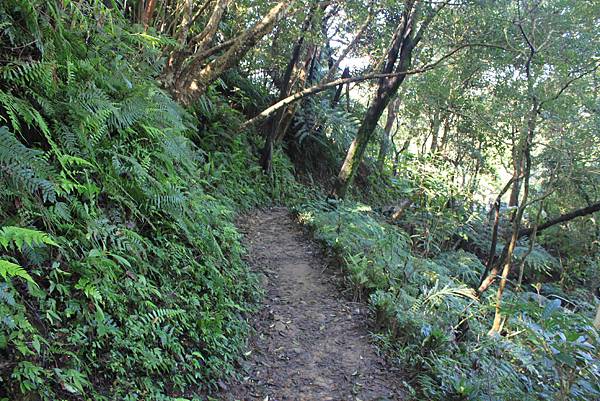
(137, 288)
(9, 269)
(22, 239)
(430, 320)
(122, 271)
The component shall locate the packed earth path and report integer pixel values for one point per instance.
(310, 343)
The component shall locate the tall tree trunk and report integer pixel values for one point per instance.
(497, 323)
(524, 159)
(387, 131)
(400, 53)
(494, 265)
(597, 320)
(147, 16)
(435, 131)
(282, 115)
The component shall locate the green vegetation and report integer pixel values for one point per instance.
(134, 286)
(430, 320)
(132, 134)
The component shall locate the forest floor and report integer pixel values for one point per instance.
(309, 343)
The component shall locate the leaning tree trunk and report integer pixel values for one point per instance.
(365, 132)
(435, 131)
(190, 86)
(401, 49)
(494, 242)
(400, 55)
(524, 163)
(594, 208)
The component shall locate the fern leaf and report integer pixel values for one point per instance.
(9, 269)
(27, 167)
(20, 236)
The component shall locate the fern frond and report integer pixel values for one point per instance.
(26, 166)
(19, 109)
(159, 316)
(9, 269)
(27, 74)
(24, 236)
(89, 289)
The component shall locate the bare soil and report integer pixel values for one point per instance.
(310, 342)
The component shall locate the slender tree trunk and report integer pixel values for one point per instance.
(147, 16)
(525, 160)
(184, 27)
(359, 145)
(493, 267)
(529, 249)
(445, 133)
(141, 9)
(435, 131)
(397, 154)
(512, 244)
(338, 91)
(474, 179)
(206, 37)
(597, 320)
(175, 72)
(517, 164)
(387, 131)
(494, 243)
(282, 115)
(400, 53)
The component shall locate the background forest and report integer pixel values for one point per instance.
(446, 154)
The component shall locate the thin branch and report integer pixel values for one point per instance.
(323, 86)
(425, 24)
(562, 219)
(492, 252)
(349, 48)
(568, 83)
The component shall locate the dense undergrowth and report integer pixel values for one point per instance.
(419, 285)
(123, 272)
(121, 268)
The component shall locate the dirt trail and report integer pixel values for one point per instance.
(310, 343)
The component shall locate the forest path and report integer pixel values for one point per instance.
(310, 343)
